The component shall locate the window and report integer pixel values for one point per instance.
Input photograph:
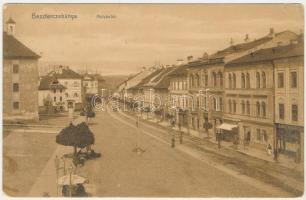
(263, 108)
(257, 80)
(234, 106)
(54, 98)
(206, 80)
(214, 79)
(264, 84)
(15, 87)
(66, 94)
(294, 110)
(230, 105)
(16, 105)
(242, 107)
(281, 111)
(230, 81)
(76, 84)
(280, 80)
(234, 80)
(248, 80)
(248, 109)
(220, 103)
(54, 91)
(61, 90)
(293, 79)
(258, 135)
(265, 135)
(191, 81)
(220, 79)
(257, 108)
(242, 80)
(197, 80)
(61, 98)
(15, 68)
(76, 95)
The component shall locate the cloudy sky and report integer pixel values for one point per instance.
(142, 35)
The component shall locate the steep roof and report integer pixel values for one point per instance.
(146, 79)
(14, 49)
(247, 45)
(269, 54)
(65, 73)
(49, 82)
(179, 71)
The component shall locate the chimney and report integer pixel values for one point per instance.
(179, 61)
(10, 26)
(246, 39)
(190, 58)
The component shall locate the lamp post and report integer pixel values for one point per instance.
(57, 166)
(70, 185)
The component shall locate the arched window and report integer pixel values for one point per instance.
(234, 80)
(248, 109)
(234, 106)
(257, 108)
(242, 80)
(220, 76)
(263, 75)
(230, 81)
(247, 80)
(263, 109)
(230, 106)
(257, 80)
(214, 75)
(243, 107)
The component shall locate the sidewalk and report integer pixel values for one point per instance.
(289, 178)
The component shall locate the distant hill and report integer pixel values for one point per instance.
(112, 81)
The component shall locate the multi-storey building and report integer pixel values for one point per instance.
(206, 75)
(51, 95)
(251, 97)
(178, 91)
(20, 77)
(73, 84)
(289, 101)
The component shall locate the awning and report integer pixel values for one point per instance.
(227, 127)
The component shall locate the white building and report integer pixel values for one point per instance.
(73, 84)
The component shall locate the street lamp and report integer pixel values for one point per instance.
(70, 169)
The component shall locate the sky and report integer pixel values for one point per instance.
(139, 35)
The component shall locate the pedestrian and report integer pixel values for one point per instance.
(269, 149)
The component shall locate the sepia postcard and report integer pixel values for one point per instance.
(153, 100)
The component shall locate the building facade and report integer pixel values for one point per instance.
(289, 103)
(20, 78)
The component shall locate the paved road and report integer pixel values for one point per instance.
(159, 171)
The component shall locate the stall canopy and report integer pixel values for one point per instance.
(227, 127)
